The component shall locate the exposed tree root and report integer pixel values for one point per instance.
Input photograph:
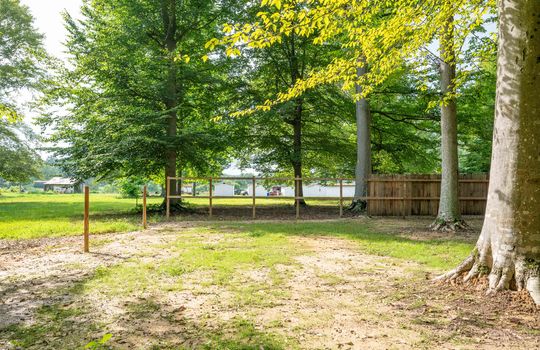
(358, 206)
(302, 203)
(505, 272)
(178, 208)
(443, 225)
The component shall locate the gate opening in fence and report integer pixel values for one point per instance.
(388, 195)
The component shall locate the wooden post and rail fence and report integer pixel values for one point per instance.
(388, 195)
(86, 219)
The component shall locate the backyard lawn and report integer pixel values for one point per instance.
(25, 216)
(52, 215)
(353, 283)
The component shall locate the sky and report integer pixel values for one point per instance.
(48, 20)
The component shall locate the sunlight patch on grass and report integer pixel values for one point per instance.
(436, 253)
(25, 216)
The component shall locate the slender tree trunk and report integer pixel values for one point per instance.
(449, 216)
(363, 150)
(508, 249)
(169, 25)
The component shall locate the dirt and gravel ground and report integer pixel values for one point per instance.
(333, 296)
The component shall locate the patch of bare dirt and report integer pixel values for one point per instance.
(343, 299)
(31, 270)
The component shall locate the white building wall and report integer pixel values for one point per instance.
(315, 190)
(287, 191)
(223, 190)
(259, 191)
(333, 191)
(348, 191)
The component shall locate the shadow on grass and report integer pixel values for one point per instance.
(58, 313)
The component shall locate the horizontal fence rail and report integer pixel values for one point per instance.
(388, 195)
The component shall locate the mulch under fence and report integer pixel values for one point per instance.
(389, 195)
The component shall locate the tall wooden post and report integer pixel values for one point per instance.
(253, 195)
(86, 219)
(210, 192)
(167, 194)
(340, 198)
(144, 207)
(297, 197)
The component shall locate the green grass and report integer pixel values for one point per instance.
(215, 264)
(242, 262)
(24, 216)
(437, 253)
(50, 327)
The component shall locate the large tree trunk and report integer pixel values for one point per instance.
(297, 151)
(296, 122)
(168, 8)
(363, 150)
(449, 215)
(509, 246)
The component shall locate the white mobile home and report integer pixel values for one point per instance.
(223, 190)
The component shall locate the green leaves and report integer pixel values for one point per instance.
(20, 54)
(129, 77)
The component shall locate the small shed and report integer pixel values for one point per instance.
(62, 185)
(222, 189)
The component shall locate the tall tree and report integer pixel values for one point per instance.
(18, 160)
(141, 95)
(284, 140)
(449, 215)
(508, 249)
(20, 54)
(363, 148)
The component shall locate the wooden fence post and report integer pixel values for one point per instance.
(145, 226)
(340, 198)
(167, 194)
(253, 195)
(210, 197)
(86, 219)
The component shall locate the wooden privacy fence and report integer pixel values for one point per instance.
(406, 195)
(388, 195)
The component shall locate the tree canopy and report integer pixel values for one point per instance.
(21, 53)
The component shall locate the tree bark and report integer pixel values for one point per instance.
(449, 215)
(508, 249)
(363, 150)
(296, 122)
(168, 11)
(297, 150)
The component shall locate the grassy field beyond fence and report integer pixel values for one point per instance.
(51, 215)
(25, 216)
